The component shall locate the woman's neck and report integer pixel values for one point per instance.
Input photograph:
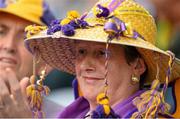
(122, 93)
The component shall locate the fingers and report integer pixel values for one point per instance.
(1, 103)
(11, 98)
(14, 85)
(23, 84)
(10, 90)
(4, 91)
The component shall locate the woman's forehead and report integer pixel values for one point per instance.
(93, 44)
(78, 43)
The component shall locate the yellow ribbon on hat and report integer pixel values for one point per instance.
(129, 30)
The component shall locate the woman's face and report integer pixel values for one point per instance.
(13, 53)
(90, 68)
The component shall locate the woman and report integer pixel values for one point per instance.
(111, 50)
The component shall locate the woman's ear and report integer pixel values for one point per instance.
(139, 66)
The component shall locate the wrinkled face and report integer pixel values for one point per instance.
(12, 51)
(90, 68)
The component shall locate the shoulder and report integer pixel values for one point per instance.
(77, 108)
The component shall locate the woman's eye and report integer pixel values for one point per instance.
(101, 53)
(2, 32)
(81, 51)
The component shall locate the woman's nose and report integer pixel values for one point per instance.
(88, 64)
(8, 44)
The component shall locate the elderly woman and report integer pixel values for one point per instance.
(111, 50)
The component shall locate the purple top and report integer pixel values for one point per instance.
(80, 107)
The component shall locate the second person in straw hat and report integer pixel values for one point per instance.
(15, 60)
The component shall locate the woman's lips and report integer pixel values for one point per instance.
(8, 62)
(92, 80)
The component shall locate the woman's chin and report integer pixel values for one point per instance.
(90, 96)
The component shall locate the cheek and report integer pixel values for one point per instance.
(77, 68)
(25, 55)
(119, 73)
(25, 62)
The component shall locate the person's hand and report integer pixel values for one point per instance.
(12, 100)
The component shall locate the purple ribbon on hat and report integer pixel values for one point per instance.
(105, 11)
(116, 27)
(111, 27)
(114, 4)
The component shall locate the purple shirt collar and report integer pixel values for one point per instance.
(80, 107)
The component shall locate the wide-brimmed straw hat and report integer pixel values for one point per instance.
(36, 11)
(124, 21)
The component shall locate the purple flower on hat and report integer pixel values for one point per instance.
(104, 12)
(78, 23)
(67, 27)
(68, 30)
(74, 24)
(82, 23)
(54, 27)
(54, 22)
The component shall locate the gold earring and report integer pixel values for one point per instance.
(135, 79)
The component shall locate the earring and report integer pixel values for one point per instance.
(135, 79)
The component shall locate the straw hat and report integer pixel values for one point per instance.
(104, 19)
(36, 11)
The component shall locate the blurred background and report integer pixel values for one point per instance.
(167, 17)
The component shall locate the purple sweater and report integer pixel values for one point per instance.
(80, 107)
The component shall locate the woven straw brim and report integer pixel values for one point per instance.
(59, 52)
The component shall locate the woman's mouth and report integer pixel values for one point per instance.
(7, 62)
(92, 80)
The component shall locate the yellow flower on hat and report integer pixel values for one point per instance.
(73, 14)
(32, 30)
(65, 21)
